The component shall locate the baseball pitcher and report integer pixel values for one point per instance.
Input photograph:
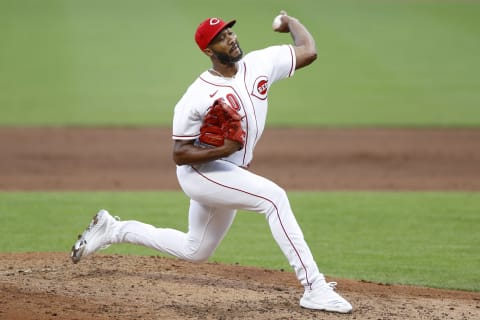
(216, 126)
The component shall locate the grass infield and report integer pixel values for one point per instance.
(428, 239)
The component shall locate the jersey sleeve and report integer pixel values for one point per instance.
(187, 118)
(276, 61)
(284, 62)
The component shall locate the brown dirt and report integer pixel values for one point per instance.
(319, 159)
(48, 286)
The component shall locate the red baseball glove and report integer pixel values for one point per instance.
(221, 122)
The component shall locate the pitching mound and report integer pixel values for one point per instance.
(48, 286)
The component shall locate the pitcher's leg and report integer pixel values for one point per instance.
(289, 236)
(272, 201)
(207, 227)
(221, 183)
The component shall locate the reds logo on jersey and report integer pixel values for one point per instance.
(260, 88)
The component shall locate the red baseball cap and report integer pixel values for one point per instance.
(208, 29)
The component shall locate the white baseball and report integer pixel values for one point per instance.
(277, 22)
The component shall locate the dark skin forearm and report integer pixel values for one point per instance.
(304, 44)
(186, 153)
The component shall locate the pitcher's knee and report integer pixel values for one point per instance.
(277, 193)
(277, 198)
(197, 257)
(199, 252)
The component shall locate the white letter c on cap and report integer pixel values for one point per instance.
(214, 21)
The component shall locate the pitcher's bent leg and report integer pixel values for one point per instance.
(207, 227)
(221, 183)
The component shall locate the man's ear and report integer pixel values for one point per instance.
(208, 52)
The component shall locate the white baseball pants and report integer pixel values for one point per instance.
(217, 189)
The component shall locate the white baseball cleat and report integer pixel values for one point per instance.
(97, 236)
(326, 299)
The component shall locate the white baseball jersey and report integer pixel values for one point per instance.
(247, 93)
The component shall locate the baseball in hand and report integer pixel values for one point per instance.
(277, 22)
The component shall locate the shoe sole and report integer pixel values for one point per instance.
(315, 306)
(76, 253)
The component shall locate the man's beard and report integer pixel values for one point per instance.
(225, 58)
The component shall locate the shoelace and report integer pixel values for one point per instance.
(332, 285)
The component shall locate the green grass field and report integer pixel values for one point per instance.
(381, 63)
(123, 62)
(428, 239)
